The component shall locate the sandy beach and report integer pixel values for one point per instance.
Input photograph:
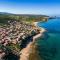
(35, 23)
(30, 48)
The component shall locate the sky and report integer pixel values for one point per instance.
(46, 7)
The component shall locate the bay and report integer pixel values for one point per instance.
(49, 48)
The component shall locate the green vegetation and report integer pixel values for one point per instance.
(25, 18)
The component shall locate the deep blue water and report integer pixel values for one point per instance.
(49, 47)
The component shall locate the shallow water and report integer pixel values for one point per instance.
(49, 48)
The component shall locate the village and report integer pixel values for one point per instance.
(17, 33)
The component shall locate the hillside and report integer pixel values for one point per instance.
(4, 17)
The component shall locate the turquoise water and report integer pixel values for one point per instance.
(49, 48)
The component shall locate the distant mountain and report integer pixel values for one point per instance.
(6, 13)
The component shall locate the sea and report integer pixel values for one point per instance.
(48, 46)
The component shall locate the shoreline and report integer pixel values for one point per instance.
(26, 52)
(42, 30)
(35, 23)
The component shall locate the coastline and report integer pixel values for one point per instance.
(35, 23)
(31, 48)
(42, 30)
